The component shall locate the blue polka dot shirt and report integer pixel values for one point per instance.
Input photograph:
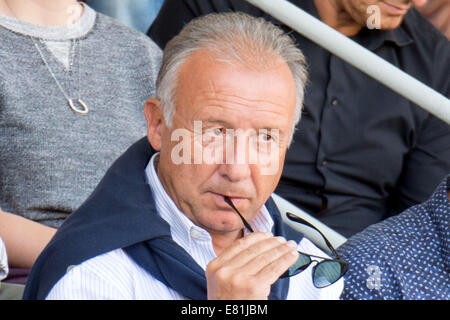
(404, 257)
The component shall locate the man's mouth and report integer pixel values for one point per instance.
(220, 198)
(395, 9)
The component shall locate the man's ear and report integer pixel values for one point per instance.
(155, 122)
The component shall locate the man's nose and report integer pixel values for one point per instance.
(235, 172)
(237, 157)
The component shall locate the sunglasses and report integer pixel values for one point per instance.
(325, 272)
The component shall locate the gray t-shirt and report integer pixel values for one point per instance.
(51, 158)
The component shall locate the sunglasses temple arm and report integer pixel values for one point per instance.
(295, 218)
(291, 217)
(246, 224)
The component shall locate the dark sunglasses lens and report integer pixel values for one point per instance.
(302, 262)
(326, 273)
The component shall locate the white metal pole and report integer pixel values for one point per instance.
(358, 56)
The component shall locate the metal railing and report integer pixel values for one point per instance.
(358, 56)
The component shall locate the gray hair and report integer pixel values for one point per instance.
(235, 37)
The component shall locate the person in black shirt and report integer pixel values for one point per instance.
(361, 153)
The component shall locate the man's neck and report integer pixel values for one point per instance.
(221, 241)
(43, 12)
(334, 14)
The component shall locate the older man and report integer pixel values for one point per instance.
(160, 227)
(363, 152)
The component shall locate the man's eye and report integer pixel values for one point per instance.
(217, 131)
(213, 133)
(265, 137)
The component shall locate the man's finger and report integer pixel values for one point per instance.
(240, 245)
(272, 271)
(256, 256)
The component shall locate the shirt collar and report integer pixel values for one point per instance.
(183, 230)
(373, 39)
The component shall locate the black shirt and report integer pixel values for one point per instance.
(361, 152)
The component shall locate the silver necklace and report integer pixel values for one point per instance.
(84, 110)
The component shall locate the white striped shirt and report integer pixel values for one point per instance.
(114, 275)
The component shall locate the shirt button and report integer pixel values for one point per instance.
(324, 163)
(334, 102)
(195, 234)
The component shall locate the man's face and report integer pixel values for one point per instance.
(392, 12)
(225, 97)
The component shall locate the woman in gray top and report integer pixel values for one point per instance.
(73, 84)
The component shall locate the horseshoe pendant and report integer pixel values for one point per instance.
(83, 111)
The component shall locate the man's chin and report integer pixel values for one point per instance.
(391, 23)
(224, 219)
(224, 222)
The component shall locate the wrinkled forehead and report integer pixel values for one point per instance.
(206, 84)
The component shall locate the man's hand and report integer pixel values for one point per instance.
(247, 269)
